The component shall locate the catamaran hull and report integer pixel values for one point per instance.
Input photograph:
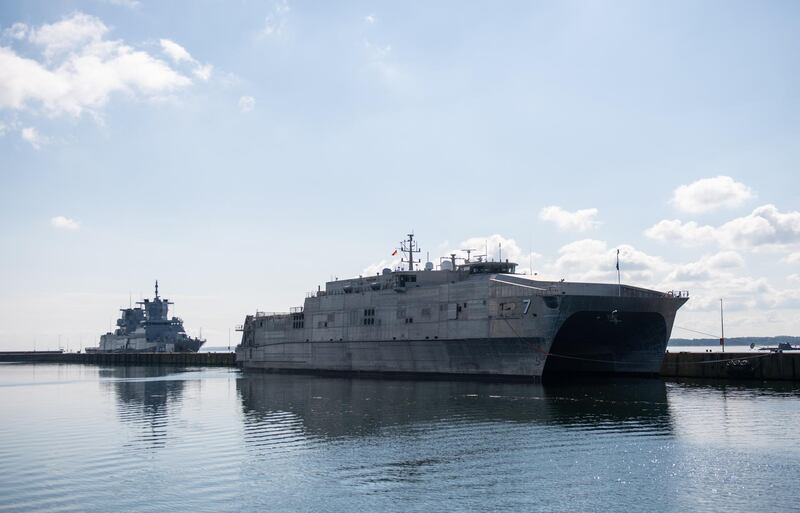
(583, 335)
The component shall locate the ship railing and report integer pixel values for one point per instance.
(239, 327)
(274, 315)
(678, 293)
(296, 309)
(550, 290)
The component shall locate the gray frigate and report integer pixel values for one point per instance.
(147, 327)
(476, 318)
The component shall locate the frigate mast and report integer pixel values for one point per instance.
(409, 249)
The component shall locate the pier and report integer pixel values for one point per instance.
(189, 359)
(765, 366)
(741, 366)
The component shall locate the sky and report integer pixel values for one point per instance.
(243, 153)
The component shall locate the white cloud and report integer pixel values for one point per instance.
(580, 220)
(707, 268)
(792, 258)
(68, 34)
(81, 70)
(130, 4)
(275, 22)
(386, 263)
(765, 227)
(594, 260)
(179, 54)
(370, 19)
(710, 194)
(495, 247)
(677, 231)
(64, 223)
(32, 135)
(203, 71)
(16, 31)
(175, 51)
(247, 103)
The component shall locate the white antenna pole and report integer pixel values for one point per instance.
(722, 326)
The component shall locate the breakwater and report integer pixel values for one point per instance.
(192, 359)
(759, 366)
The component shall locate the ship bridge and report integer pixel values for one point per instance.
(488, 267)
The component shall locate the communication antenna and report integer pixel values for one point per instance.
(721, 326)
(409, 247)
(468, 251)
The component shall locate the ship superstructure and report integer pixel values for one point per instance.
(147, 327)
(468, 317)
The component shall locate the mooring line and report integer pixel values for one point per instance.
(615, 362)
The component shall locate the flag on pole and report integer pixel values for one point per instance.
(617, 260)
(394, 252)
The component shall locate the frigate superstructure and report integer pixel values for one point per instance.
(471, 317)
(147, 327)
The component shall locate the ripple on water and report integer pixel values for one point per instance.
(82, 438)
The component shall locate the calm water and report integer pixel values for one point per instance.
(87, 438)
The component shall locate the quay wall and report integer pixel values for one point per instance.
(190, 359)
(759, 366)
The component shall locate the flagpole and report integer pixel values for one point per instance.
(619, 279)
(722, 326)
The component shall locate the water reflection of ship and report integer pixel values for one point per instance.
(334, 407)
(145, 397)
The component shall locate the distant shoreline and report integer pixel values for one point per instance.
(734, 341)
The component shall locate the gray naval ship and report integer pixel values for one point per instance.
(477, 318)
(148, 328)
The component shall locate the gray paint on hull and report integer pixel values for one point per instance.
(469, 328)
(498, 357)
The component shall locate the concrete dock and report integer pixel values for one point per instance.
(189, 359)
(749, 365)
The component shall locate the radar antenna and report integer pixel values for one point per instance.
(408, 247)
(468, 251)
(156, 289)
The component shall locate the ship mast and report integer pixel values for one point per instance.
(409, 249)
(156, 289)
